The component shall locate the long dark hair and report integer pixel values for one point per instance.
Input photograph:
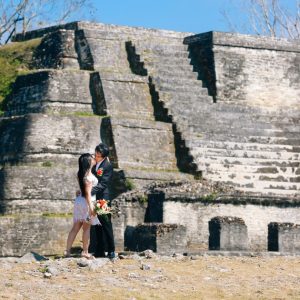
(84, 163)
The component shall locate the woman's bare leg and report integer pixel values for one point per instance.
(72, 235)
(85, 237)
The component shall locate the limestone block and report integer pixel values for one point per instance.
(144, 144)
(284, 237)
(51, 91)
(228, 234)
(128, 99)
(29, 182)
(42, 234)
(57, 51)
(37, 135)
(161, 238)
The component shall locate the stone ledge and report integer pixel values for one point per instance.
(194, 255)
(99, 26)
(235, 200)
(242, 40)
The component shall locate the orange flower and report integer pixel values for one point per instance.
(102, 203)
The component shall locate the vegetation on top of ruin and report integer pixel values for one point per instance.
(15, 59)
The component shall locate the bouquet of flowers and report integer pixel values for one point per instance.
(102, 208)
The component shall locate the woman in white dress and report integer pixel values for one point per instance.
(84, 215)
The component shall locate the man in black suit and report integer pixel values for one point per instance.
(102, 237)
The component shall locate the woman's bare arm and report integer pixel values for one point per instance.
(88, 188)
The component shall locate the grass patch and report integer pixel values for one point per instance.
(129, 184)
(15, 59)
(210, 197)
(47, 164)
(143, 199)
(57, 215)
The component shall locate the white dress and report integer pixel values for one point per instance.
(81, 209)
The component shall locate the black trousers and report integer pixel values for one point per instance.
(102, 237)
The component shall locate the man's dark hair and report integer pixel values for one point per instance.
(103, 149)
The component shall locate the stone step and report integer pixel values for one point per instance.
(285, 113)
(205, 132)
(178, 100)
(160, 52)
(154, 174)
(155, 47)
(135, 115)
(210, 109)
(177, 81)
(172, 66)
(239, 111)
(166, 60)
(169, 87)
(203, 122)
(141, 35)
(282, 170)
(212, 152)
(224, 175)
(247, 146)
(267, 191)
(167, 165)
(193, 139)
(265, 185)
(204, 163)
(140, 123)
(178, 74)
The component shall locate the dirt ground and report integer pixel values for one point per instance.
(134, 278)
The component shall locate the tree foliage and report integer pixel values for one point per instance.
(275, 18)
(23, 15)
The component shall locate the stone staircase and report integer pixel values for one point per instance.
(254, 149)
(144, 146)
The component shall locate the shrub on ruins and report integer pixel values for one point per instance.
(15, 59)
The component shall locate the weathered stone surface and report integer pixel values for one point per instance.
(194, 205)
(284, 237)
(51, 91)
(254, 112)
(45, 138)
(42, 234)
(228, 234)
(161, 238)
(57, 51)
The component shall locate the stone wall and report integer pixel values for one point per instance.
(244, 68)
(43, 234)
(195, 216)
(194, 205)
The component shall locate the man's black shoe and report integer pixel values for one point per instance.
(111, 255)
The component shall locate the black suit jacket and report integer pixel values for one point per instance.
(101, 190)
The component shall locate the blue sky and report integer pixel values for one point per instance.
(180, 15)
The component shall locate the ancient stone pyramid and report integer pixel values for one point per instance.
(171, 106)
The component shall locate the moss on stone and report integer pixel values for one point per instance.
(57, 215)
(129, 184)
(210, 197)
(47, 164)
(15, 59)
(143, 199)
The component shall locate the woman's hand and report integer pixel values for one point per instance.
(91, 211)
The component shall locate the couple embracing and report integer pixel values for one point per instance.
(94, 176)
